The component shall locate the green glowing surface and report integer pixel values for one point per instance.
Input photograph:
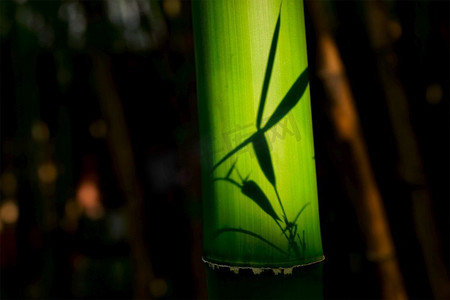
(256, 133)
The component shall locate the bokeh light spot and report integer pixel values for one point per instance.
(158, 287)
(88, 197)
(47, 172)
(40, 131)
(172, 8)
(395, 29)
(9, 212)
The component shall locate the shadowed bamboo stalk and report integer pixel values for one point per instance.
(123, 162)
(368, 205)
(410, 166)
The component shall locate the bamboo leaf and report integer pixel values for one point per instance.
(254, 192)
(300, 212)
(228, 229)
(268, 73)
(292, 97)
(262, 152)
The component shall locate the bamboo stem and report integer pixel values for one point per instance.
(252, 66)
(410, 166)
(369, 204)
(125, 171)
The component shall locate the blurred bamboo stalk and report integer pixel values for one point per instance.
(368, 203)
(123, 162)
(382, 34)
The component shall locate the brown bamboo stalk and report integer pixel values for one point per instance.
(123, 161)
(368, 205)
(410, 166)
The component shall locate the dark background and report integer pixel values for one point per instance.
(100, 177)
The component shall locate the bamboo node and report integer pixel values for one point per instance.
(260, 270)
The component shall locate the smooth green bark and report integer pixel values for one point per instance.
(258, 173)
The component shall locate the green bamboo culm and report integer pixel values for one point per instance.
(260, 206)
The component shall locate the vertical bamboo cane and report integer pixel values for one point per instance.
(369, 205)
(125, 171)
(410, 167)
(258, 171)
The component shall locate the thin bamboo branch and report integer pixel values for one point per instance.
(410, 166)
(368, 205)
(125, 170)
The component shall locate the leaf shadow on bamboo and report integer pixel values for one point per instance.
(250, 188)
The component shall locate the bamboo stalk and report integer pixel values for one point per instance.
(368, 204)
(410, 166)
(258, 171)
(123, 161)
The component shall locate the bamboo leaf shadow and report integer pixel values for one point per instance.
(268, 74)
(229, 229)
(251, 189)
(259, 142)
(262, 152)
(229, 154)
(231, 170)
(292, 97)
(300, 212)
(254, 192)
